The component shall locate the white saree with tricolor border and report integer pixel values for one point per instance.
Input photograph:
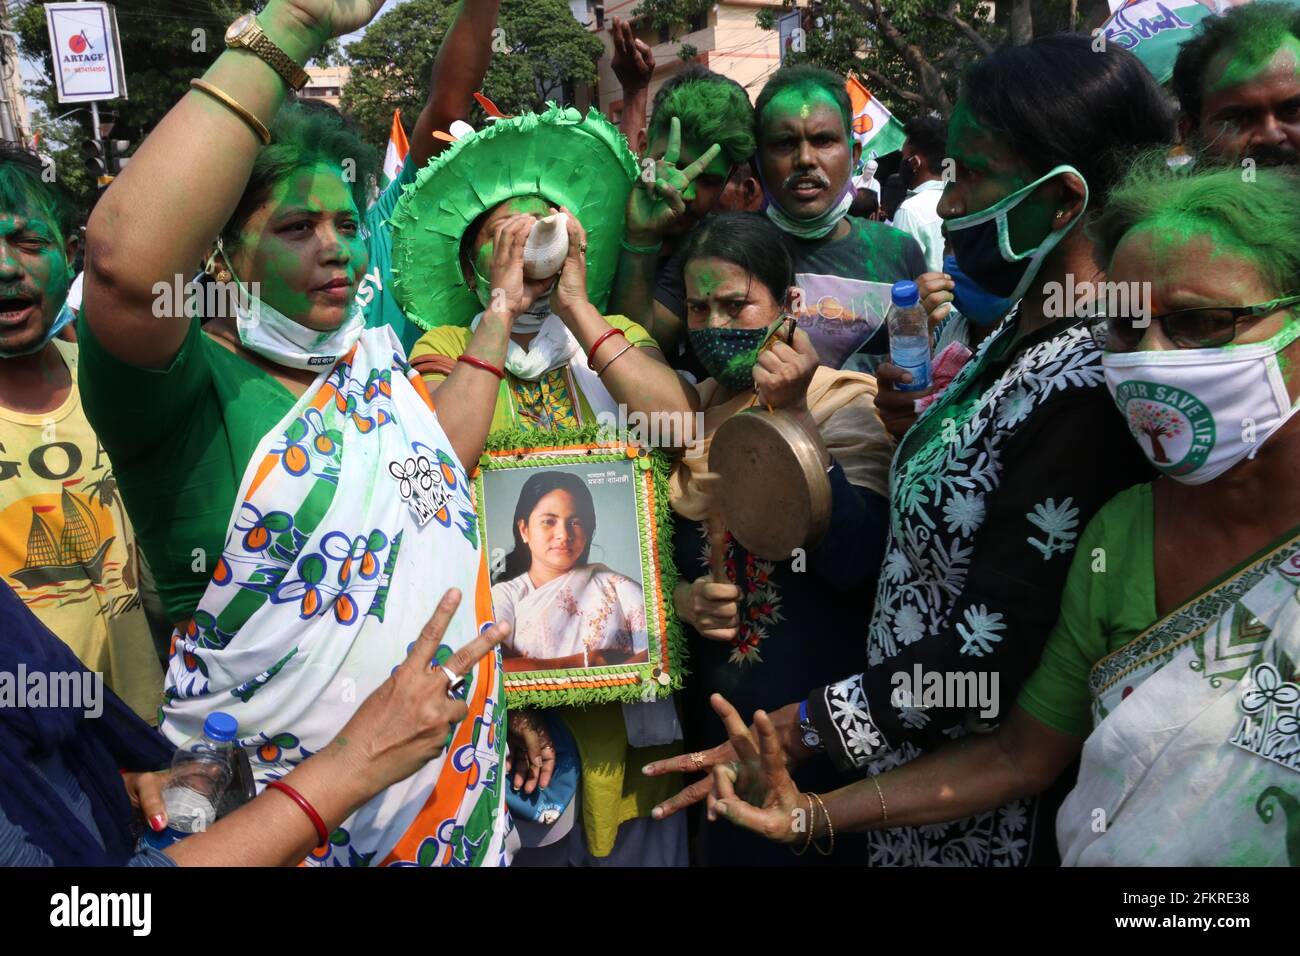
(352, 520)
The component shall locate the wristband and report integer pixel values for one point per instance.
(598, 343)
(641, 250)
(479, 363)
(306, 808)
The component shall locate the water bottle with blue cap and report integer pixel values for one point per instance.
(909, 336)
(202, 769)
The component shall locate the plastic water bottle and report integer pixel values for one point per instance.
(202, 769)
(909, 336)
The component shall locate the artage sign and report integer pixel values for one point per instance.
(86, 53)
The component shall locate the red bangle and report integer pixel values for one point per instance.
(307, 808)
(479, 363)
(598, 343)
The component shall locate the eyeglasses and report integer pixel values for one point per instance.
(1187, 328)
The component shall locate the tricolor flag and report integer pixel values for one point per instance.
(395, 155)
(874, 127)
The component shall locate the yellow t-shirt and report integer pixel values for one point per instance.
(66, 546)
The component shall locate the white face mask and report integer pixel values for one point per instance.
(1197, 412)
(273, 335)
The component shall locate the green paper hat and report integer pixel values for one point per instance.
(581, 163)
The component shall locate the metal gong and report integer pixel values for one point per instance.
(774, 490)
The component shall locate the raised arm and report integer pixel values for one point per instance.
(633, 64)
(158, 220)
(457, 75)
(654, 205)
(638, 378)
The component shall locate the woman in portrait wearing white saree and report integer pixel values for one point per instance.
(566, 611)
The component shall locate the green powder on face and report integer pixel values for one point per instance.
(743, 362)
(707, 282)
(1254, 54)
(797, 101)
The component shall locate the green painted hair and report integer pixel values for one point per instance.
(304, 135)
(806, 79)
(1254, 31)
(1254, 220)
(23, 191)
(711, 109)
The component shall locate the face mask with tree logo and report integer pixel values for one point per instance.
(1197, 412)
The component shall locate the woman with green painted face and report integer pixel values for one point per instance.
(302, 505)
(771, 629)
(991, 487)
(568, 365)
(1173, 665)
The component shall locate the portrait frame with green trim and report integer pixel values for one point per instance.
(585, 631)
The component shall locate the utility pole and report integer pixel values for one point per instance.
(11, 125)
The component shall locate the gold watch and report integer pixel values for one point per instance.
(246, 34)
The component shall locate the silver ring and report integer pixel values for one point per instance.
(455, 682)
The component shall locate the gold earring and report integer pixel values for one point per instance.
(1060, 214)
(219, 273)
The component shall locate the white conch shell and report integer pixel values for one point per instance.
(460, 129)
(546, 247)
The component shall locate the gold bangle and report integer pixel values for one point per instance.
(812, 820)
(235, 107)
(627, 348)
(830, 828)
(884, 813)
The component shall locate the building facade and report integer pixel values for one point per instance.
(326, 83)
(725, 37)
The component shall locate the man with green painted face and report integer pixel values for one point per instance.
(66, 546)
(1238, 85)
(844, 267)
(699, 141)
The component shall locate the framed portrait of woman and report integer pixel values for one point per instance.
(576, 530)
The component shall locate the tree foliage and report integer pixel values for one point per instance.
(910, 53)
(165, 44)
(540, 50)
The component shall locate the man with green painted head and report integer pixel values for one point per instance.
(1238, 85)
(696, 149)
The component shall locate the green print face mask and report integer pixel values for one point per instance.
(729, 354)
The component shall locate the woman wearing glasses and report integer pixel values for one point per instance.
(1175, 664)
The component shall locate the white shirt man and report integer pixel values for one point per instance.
(918, 216)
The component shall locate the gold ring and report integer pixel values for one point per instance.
(697, 760)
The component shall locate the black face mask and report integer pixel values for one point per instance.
(976, 251)
(981, 242)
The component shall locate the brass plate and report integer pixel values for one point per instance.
(775, 493)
